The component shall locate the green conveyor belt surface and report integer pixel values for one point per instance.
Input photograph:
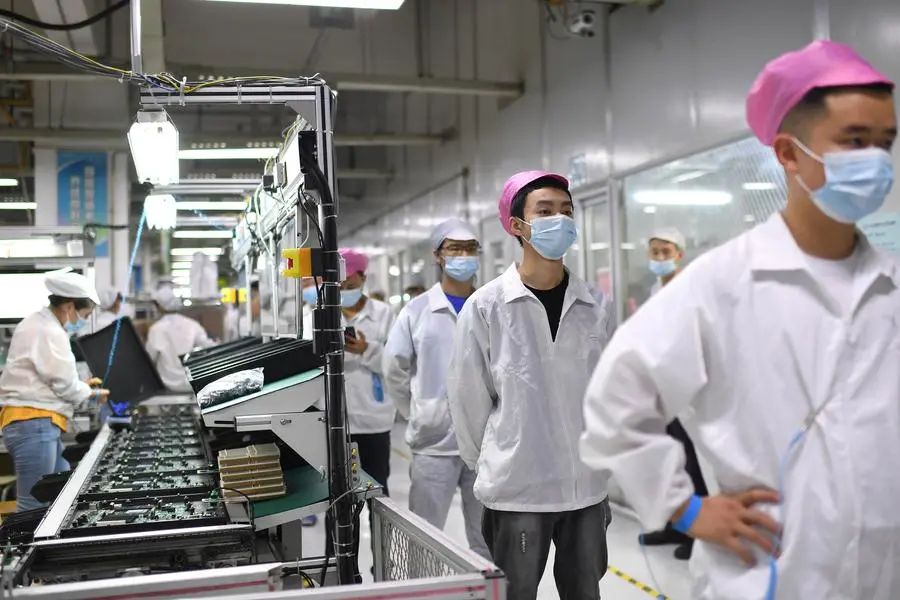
(305, 487)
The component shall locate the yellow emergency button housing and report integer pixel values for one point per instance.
(228, 295)
(298, 262)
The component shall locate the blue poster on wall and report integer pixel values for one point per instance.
(82, 192)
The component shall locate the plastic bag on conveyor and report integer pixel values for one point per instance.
(231, 387)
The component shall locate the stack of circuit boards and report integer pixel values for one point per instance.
(155, 476)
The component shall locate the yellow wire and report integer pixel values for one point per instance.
(165, 77)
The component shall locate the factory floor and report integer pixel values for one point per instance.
(629, 576)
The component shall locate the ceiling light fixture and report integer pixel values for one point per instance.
(759, 186)
(364, 4)
(203, 234)
(234, 206)
(160, 211)
(689, 176)
(7, 182)
(192, 251)
(18, 205)
(683, 197)
(227, 153)
(153, 140)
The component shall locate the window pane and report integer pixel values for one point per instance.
(599, 269)
(709, 197)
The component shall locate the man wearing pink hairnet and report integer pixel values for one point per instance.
(781, 360)
(525, 346)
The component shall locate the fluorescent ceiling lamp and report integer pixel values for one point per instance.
(227, 154)
(153, 139)
(224, 205)
(18, 205)
(368, 4)
(759, 186)
(193, 251)
(159, 210)
(689, 176)
(203, 234)
(682, 197)
(6, 182)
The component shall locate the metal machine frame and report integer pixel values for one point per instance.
(315, 104)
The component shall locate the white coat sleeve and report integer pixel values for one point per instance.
(470, 383)
(154, 345)
(55, 365)
(201, 338)
(650, 372)
(397, 364)
(373, 356)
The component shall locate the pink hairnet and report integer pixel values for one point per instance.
(786, 80)
(355, 261)
(512, 187)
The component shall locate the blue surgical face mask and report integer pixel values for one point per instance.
(73, 328)
(461, 268)
(350, 298)
(551, 237)
(856, 182)
(662, 268)
(310, 295)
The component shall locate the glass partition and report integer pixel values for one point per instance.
(598, 255)
(709, 197)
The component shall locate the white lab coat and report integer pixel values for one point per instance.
(40, 368)
(516, 395)
(416, 360)
(365, 413)
(169, 338)
(751, 347)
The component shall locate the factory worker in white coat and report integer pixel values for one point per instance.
(171, 337)
(415, 370)
(39, 387)
(526, 344)
(370, 412)
(783, 360)
(109, 309)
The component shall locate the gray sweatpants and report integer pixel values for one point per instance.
(434, 480)
(520, 545)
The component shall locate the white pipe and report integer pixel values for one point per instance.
(136, 62)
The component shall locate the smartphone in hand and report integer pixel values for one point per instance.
(350, 332)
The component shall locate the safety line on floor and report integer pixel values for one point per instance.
(617, 572)
(404, 455)
(641, 586)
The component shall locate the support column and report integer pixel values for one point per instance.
(45, 187)
(120, 214)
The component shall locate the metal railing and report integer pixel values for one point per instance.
(408, 547)
(413, 561)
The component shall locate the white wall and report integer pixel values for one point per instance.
(677, 81)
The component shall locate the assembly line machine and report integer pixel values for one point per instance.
(144, 514)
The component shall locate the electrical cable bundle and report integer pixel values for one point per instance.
(163, 81)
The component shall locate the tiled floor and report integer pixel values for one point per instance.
(625, 555)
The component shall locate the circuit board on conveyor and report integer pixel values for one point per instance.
(105, 517)
(154, 475)
(108, 486)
